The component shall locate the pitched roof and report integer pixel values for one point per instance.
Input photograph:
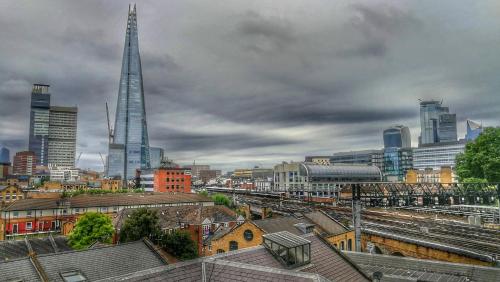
(18, 270)
(169, 217)
(325, 261)
(94, 264)
(273, 225)
(20, 248)
(107, 200)
(423, 270)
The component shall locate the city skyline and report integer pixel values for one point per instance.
(252, 84)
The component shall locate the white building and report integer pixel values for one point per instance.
(63, 173)
(437, 155)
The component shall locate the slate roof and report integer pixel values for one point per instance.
(99, 263)
(210, 269)
(107, 200)
(19, 248)
(169, 217)
(325, 261)
(423, 270)
(272, 225)
(255, 264)
(18, 270)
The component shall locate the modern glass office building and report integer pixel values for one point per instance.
(473, 130)
(397, 136)
(436, 156)
(397, 161)
(39, 123)
(156, 155)
(4, 155)
(436, 123)
(129, 148)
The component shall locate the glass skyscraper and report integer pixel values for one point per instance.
(129, 147)
(436, 123)
(397, 136)
(473, 130)
(39, 123)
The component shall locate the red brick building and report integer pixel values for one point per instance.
(172, 180)
(24, 163)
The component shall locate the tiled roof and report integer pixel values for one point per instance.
(108, 200)
(102, 262)
(272, 225)
(210, 269)
(423, 270)
(18, 270)
(325, 261)
(19, 248)
(169, 217)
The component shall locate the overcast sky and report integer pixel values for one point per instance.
(245, 83)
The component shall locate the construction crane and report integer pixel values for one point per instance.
(102, 160)
(110, 130)
(78, 159)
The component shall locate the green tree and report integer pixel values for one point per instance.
(141, 223)
(91, 227)
(180, 245)
(221, 199)
(203, 193)
(481, 159)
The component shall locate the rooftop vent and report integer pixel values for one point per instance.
(289, 249)
(304, 227)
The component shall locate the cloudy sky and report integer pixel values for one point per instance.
(244, 83)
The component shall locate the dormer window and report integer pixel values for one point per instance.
(73, 276)
(289, 249)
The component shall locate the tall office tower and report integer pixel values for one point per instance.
(39, 123)
(4, 155)
(24, 163)
(397, 136)
(129, 147)
(156, 156)
(447, 128)
(473, 130)
(436, 123)
(62, 136)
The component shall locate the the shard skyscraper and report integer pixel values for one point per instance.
(129, 145)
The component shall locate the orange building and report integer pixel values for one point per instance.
(172, 180)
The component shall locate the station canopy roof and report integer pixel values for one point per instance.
(355, 171)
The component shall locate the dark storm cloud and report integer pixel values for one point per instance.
(252, 83)
(192, 141)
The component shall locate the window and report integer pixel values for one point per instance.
(73, 276)
(342, 245)
(248, 235)
(28, 213)
(220, 251)
(349, 245)
(29, 225)
(15, 214)
(233, 245)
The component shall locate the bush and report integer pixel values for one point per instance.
(141, 223)
(221, 199)
(180, 244)
(91, 227)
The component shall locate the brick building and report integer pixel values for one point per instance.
(38, 216)
(24, 163)
(166, 179)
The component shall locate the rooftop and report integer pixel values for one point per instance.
(107, 200)
(341, 170)
(286, 239)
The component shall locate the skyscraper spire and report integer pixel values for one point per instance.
(130, 147)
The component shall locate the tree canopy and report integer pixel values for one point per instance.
(221, 199)
(180, 244)
(481, 159)
(91, 227)
(141, 223)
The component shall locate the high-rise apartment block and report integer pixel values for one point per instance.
(62, 136)
(24, 163)
(397, 137)
(39, 123)
(52, 130)
(436, 123)
(129, 147)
